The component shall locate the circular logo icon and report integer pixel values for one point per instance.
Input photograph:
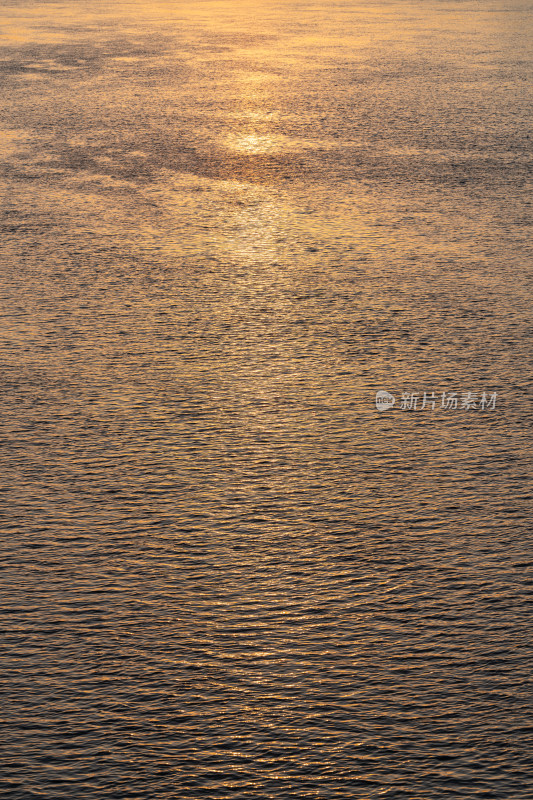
(384, 400)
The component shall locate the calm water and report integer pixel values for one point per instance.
(224, 227)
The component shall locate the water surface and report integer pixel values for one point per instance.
(224, 227)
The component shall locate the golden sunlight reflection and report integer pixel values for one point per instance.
(253, 233)
(257, 108)
(225, 227)
(259, 112)
(257, 143)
